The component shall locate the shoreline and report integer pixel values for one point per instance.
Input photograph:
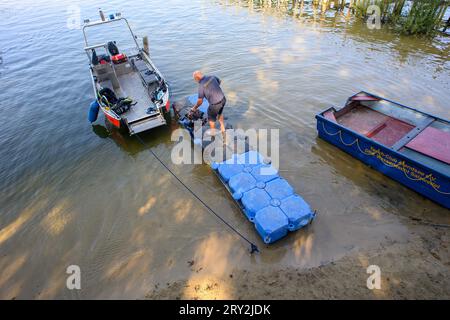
(417, 269)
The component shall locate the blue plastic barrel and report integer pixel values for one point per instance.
(93, 111)
(265, 198)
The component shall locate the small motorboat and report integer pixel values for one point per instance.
(128, 88)
(408, 145)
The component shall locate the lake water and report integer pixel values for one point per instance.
(76, 194)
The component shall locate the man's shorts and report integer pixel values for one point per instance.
(215, 110)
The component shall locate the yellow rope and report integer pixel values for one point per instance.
(381, 159)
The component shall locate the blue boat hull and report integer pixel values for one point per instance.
(410, 173)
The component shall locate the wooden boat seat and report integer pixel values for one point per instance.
(375, 130)
(432, 142)
(389, 132)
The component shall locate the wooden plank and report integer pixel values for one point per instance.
(364, 98)
(432, 142)
(330, 115)
(392, 131)
(412, 134)
(375, 130)
(362, 119)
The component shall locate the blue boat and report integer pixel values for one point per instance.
(407, 145)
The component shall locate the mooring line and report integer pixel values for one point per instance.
(253, 247)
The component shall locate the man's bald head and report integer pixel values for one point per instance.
(197, 75)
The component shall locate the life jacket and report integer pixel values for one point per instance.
(119, 58)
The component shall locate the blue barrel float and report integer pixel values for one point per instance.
(93, 111)
(265, 198)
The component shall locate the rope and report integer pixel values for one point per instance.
(428, 223)
(253, 247)
(339, 132)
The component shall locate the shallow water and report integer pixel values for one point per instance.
(72, 193)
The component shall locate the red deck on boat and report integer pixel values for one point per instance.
(393, 131)
(433, 143)
(375, 125)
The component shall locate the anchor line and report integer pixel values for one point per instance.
(253, 247)
(339, 132)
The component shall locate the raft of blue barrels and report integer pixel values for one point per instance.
(266, 199)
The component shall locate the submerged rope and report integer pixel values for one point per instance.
(253, 247)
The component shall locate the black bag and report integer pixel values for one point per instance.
(112, 48)
(109, 95)
(123, 105)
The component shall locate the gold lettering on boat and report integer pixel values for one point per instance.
(411, 172)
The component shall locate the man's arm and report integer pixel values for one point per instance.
(201, 94)
(198, 104)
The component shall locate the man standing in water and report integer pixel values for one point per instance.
(209, 88)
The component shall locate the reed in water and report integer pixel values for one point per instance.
(409, 17)
(406, 16)
(425, 16)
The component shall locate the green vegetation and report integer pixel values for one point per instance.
(424, 17)
(409, 17)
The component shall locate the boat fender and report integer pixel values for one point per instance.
(93, 111)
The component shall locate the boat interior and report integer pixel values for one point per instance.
(133, 78)
(417, 135)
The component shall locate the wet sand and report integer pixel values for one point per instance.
(416, 269)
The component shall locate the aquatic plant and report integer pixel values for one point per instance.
(419, 17)
(397, 9)
(360, 8)
(424, 17)
(406, 16)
